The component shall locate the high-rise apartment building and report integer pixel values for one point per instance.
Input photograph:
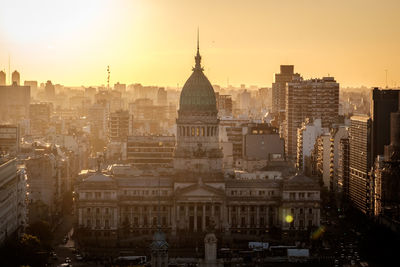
(9, 139)
(314, 98)
(387, 173)
(360, 163)
(119, 125)
(307, 134)
(14, 102)
(338, 133)
(343, 167)
(279, 87)
(13, 198)
(383, 103)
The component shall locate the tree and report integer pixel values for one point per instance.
(41, 229)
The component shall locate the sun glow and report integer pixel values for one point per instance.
(46, 21)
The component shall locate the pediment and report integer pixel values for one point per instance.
(199, 190)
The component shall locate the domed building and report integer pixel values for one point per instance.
(197, 125)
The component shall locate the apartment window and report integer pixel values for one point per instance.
(106, 224)
(88, 210)
(97, 195)
(301, 195)
(292, 195)
(97, 223)
(97, 210)
(107, 210)
(310, 211)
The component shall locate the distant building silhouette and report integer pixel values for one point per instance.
(49, 90)
(15, 77)
(2, 78)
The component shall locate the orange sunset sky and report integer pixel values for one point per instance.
(153, 42)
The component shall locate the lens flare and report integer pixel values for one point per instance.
(289, 218)
(318, 233)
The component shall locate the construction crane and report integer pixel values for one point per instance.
(108, 77)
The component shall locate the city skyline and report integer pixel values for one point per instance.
(78, 45)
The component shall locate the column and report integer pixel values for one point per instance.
(195, 218)
(258, 216)
(169, 211)
(224, 213)
(239, 219)
(230, 215)
(186, 220)
(248, 216)
(203, 227)
(141, 216)
(172, 218)
(177, 217)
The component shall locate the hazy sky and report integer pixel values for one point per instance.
(154, 42)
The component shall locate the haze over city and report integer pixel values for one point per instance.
(149, 42)
(199, 133)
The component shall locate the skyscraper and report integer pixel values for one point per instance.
(279, 87)
(383, 103)
(2, 78)
(314, 98)
(15, 77)
(360, 163)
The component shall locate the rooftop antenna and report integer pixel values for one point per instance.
(9, 69)
(386, 71)
(108, 77)
(198, 43)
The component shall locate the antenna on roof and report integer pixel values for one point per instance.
(386, 71)
(108, 77)
(198, 38)
(9, 69)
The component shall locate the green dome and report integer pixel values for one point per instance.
(197, 93)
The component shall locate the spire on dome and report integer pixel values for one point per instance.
(198, 57)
